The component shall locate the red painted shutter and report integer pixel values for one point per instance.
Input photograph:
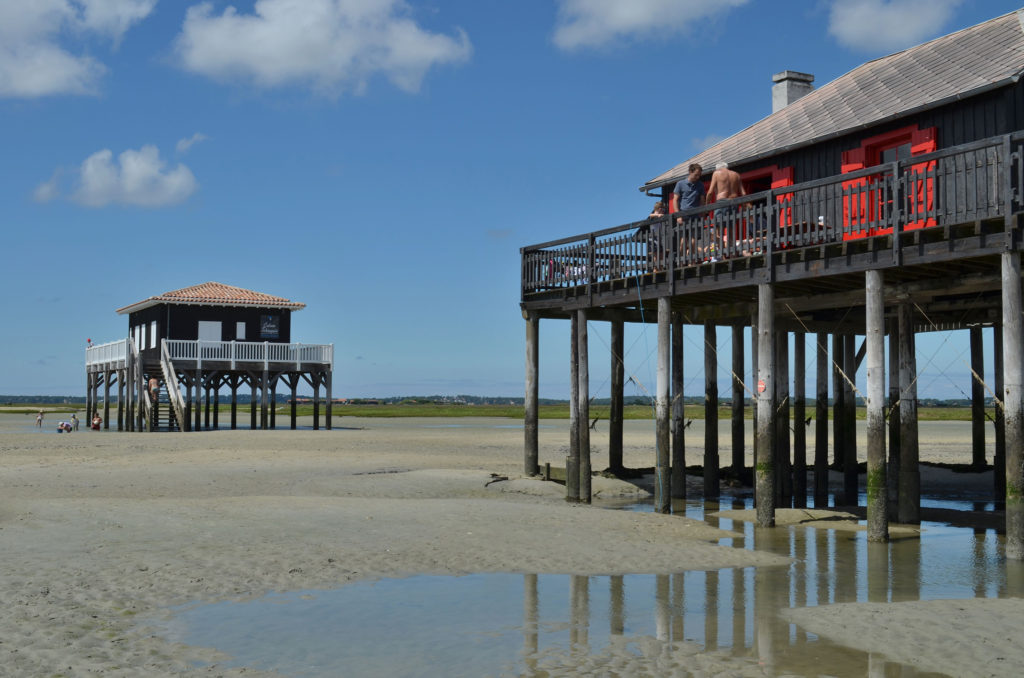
(855, 204)
(921, 187)
(784, 177)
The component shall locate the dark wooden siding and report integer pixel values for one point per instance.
(182, 322)
(986, 115)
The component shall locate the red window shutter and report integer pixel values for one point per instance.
(921, 180)
(855, 204)
(783, 176)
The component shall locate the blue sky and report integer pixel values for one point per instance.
(381, 161)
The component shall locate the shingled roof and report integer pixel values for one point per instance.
(955, 66)
(215, 294)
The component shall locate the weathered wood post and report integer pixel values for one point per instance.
(206, 397)
(821, 423)
(850, 467)
(783, 467)
(799, 420)
(531, 448)
(572, 461)
(999, 458)
(663, 479)
(273, 402)
(106, 399)
(838, 403)
(618, 385)
(252, 400)
(234, 400)
(764, 445)
(120, 398)
(678, 411)
(753, 373)
(216, 403)
(892, 469)
(314, 377)
(909, 501)
(877, 488)
(198, 412)
(711, 462)
(1013, 399)
(328, 397)
(265, 402)
(584, 406)
(738, 437)
(977, 398)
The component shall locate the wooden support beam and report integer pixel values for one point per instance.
(821, 422)
(977, 398)
(572, 462)
(838, 401)
(120, 398)
(783, 465)
(999, 459)
(738, 433)
(892, 470)
(764, 462)
(678, 412)
(315, 378)
(618, 383)
(711, 462)
(583, 395)
(850, 467)
(531, 450)
(253, 380)
(328, 396)
(663, 479)
(106, 400)
(909, 501)
(799, 420)
(1013, 401)
(198, 386)
(234, 401)
(877, 489)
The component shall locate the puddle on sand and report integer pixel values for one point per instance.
(504, 624)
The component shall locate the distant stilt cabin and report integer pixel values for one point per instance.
(184, 347)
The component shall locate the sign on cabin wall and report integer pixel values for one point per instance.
(270, 326)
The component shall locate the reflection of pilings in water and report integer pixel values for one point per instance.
(878, 572)
(739, 610)
(906, 569)
(768, 582)
(530, 604)
(579, 595)
(678, 605)
(845, 568)
(617, 605)
(662, 613)
(711, 610)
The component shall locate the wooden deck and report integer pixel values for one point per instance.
(935, 225)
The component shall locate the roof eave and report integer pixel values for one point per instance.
(149, 303)
(1013, 79)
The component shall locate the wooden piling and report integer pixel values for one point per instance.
(531, 449)
(999, 458)
(583, 394)
(572, 461)
(663, 480)
(1013, 399)
(711, 462)
(738, 434)
(909, 501)
(838, 401)
(877, 489)
(106, 400)
(783, 464)
(618, 384)
(977, 398)
(850, 467)
(799, 420)
(821, 422)
(764, 462)
(892, 469)
(678, 412)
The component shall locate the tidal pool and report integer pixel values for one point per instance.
(534, 625)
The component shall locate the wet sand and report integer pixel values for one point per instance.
(100, 530)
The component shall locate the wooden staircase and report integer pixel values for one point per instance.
(165, 419)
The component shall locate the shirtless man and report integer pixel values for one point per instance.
(725, 183)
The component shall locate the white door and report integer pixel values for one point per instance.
(209, 330)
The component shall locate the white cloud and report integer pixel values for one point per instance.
(185, 144)
(593, 23)
(892, 25)
(331, 45)
(34, 63)
(139, 178)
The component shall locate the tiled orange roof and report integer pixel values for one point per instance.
(215, 294)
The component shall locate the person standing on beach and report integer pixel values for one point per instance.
(74, 421)
(39, 420)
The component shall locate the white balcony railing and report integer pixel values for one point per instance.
(249, 352)
(114, 352)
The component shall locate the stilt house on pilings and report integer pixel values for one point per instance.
(184, 346)
(885, 203)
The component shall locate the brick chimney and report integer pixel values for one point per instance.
(789, 86)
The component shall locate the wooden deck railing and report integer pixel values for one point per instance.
(249, 352)
(977, 181)
(111, 353)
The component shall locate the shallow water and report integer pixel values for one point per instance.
(507, 624)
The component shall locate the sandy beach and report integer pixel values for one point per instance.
(101, 530)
